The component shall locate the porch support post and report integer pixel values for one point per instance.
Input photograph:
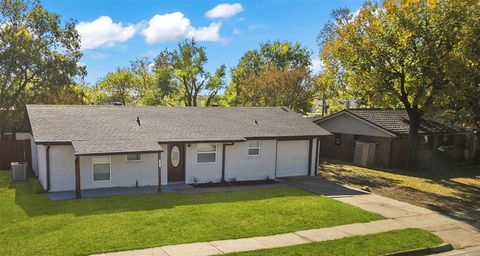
(78, 193)
(317, 154)
(159, 172)
(310, 142)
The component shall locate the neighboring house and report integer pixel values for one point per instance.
(379, 138)
(15, 145)
(18, 128)
(88, 147)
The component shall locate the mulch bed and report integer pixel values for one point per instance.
(233, 183)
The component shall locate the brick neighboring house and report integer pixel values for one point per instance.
(386, 130)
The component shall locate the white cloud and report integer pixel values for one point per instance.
(317, 65)
(103, 31)
(237, 31)
(172, 26)
(224, 11)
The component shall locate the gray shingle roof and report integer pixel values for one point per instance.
(396, 121)
(114, 128)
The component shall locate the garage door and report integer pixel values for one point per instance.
(292, 158)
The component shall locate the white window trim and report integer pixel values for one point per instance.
(208, 152)
(259, 150)
(101, 162)
(133, 161)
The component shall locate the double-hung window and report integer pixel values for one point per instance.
(134, 157)
(101, 168)
(206, 153)
(254, 148)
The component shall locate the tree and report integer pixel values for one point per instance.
(277, 55)
(279, 87)
(118, 86)
(462, 100)
(276, 74)
(144, 79)
(183, 71)
(37, 54)
(392, 55)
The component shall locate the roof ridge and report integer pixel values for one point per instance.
(136, 106)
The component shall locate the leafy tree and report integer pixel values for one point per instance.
(392, 54)
(279, 87)
(277, 54)
(462, 100)
(119, 86)
(141, 70)
(38, 55)
(183, 72)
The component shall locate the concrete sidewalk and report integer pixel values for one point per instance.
(399, 215)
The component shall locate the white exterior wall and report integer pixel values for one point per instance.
(292, 158)
(33, 149)
(62, 168)
(203, 172)
(345, 123)
(122, 174)
(240, 166)
(42, 165)
(276, 159)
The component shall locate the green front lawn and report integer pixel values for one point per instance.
(32, 224)
(377, 244)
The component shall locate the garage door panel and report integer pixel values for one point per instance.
(292, 158)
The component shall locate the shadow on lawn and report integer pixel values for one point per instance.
(35, 202)
(463, 203)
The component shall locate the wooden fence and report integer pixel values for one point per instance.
(15, 151)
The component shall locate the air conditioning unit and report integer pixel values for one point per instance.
(19, 171)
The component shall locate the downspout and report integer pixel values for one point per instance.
(223, 159)
(47, 156)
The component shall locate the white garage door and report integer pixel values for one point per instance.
(292, 158)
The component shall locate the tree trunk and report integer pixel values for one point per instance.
(413, 138)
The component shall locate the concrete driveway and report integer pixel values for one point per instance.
(320, 185)
(459, 234)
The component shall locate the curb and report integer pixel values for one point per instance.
(445, 247)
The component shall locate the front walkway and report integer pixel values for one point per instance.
(399, 215)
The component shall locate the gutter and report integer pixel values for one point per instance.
(223, 159)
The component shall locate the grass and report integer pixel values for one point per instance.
(31, 224)
(377, 244)
(451, 191)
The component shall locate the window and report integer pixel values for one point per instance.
(446, 140)
(101, 168)
(337, 139)
(254, 148)
(134, 157)
(206, 153)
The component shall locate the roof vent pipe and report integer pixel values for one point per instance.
(138, 121)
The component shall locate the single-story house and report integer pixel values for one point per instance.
(87, 147)
(379, 138)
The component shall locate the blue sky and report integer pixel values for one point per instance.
(116, 32)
